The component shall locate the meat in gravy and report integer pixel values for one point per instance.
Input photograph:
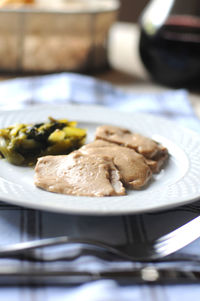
(78, 174)
(154, 153)
(134, 171)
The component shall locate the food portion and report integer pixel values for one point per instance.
(22, 144)
(117, 160)
(15, 2)
(79, 174)
(154, 153)
(134, 171)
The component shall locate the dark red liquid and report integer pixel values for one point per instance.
(172, 55)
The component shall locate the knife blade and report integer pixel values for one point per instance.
(38, 276)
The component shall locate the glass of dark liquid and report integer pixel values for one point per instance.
(170, 42)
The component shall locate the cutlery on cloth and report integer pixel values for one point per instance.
(137, 251)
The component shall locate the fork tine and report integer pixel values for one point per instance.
(178, 238)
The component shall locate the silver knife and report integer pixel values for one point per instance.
(51, 276)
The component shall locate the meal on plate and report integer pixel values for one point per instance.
(117, 160)
(22, 144)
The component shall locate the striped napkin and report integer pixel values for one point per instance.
(21, 224)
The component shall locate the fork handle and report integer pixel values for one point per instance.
(17, 248)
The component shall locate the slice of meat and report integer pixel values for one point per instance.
(134, 171)
(158, 161)
(154, 152)
(78, 174)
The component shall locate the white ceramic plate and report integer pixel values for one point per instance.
(177, 184)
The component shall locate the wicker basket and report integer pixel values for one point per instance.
(34, 39)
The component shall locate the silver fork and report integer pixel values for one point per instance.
(150, 251)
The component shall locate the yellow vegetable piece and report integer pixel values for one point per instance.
(14, 131)
(61, 147)
(57, 135)
(74, 132)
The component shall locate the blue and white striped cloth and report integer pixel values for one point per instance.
(21, 224)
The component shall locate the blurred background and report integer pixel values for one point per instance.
(155, 40)
(130, 10)
(40, 36)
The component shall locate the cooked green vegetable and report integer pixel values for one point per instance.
(22, 144)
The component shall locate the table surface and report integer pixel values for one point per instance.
(134, 84)
(131, 83)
